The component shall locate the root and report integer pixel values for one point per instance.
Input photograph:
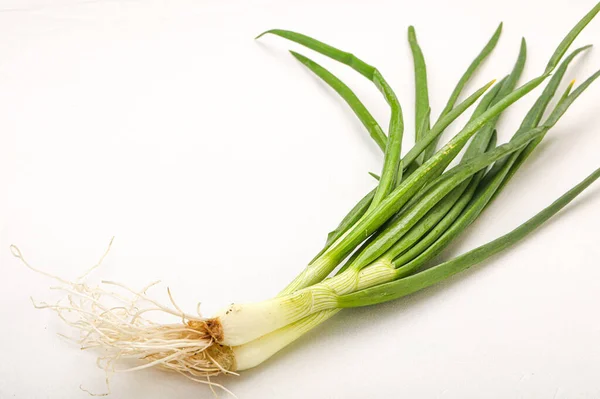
(113, 319)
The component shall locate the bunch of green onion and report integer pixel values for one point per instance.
(381, 250)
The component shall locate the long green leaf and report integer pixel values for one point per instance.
(534, 116)
(485, 52)
(348, 95)
(570, 38)
(421, 89)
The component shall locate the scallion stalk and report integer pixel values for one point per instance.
(381, 249)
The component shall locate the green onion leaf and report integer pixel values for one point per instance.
(570, 38)
(422, 108)
(485, 52)
(348, 95)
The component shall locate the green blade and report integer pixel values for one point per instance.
(566, 102)
(405, 286)
(487, 50)
(534, 116)
(567, 92)
(347, 95)
(391, 171)
(421, 90)
(570, 38)
(351, 60)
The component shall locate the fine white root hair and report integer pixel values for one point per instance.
(114, 320)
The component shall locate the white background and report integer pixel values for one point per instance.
(219, 163)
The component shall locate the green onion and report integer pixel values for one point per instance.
(381, 249)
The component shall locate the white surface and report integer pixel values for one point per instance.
(219, 163)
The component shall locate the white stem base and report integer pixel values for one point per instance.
(255, 352)
(242, 323)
